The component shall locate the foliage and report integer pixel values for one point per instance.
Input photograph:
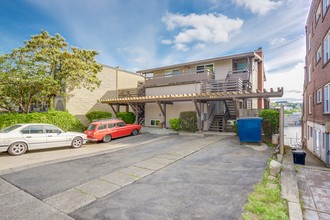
(61, 119)
(266, 202)
(43, 68)
(270, 122)
(235, 127)
(97, 115)
(188, 121)
(127, 117)
(175, 124)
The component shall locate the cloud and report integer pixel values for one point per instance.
(292, 82)
(278, 41)
(204, 28)
(260, 7)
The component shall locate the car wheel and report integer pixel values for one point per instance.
(135, 132)
(77, 142)
(17, 148)
(106, 138)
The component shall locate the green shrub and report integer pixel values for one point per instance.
(62, 119)
(175, 124)
(97, 115)
(127, 117)
(188, 121)
(270, 122)
(235, 127)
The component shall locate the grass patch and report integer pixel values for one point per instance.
(266, 203)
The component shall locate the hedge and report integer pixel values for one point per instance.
(270, 122)
(175, 124)
(127, 117)
(97, 115)
(188, 121)
(61, 119)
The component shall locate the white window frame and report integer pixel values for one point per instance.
(318, 56)
(326, 97)
(318, 13)
(310, 104)
(319, 96)
(156, 122)
(326, 48)
(326, 4)
(204, 67)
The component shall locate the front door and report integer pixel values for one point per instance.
(55, 137)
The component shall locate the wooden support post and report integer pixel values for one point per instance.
(199, 121)
(135, 110)
(127, 108)
(163, 111)
(118, 108)
(113, 109)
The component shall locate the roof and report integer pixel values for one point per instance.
(194, 96)
(249, 54)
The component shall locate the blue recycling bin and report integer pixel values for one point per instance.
(249, 129)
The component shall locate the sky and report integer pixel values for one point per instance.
(143, 34)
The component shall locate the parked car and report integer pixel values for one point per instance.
(105, 130)
(19, 138)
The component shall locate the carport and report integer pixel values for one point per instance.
(197, 98)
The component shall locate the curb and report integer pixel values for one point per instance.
(289, 187)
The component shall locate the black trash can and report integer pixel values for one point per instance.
(299, 157)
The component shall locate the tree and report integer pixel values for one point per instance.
(45, 67)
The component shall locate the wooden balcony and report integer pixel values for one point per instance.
(231, 85)
(182, 78)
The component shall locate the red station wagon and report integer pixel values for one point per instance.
(105, 130)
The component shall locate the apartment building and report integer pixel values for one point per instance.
(316, 110)
(214, 88)
(115, 83)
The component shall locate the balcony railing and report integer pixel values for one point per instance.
(234, 84)
(182, 78)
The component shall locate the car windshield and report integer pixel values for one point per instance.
(9, 129)
(91, 127)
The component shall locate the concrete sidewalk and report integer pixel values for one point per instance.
(306, 187)
(314, 188)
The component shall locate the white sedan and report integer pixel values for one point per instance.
(19, 138)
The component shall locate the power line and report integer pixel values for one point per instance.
(284, 45)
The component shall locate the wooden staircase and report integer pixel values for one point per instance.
(218, 123)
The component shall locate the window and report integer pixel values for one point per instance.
(326, 48)
(310, 104)
(319, 96)
(325, 7)
(309, 41)
(310, 132)
(102, 127)
(204, 68)
(318, 13)
(111, 125)
(309, 72)
(318, 55)
(121, 124)
(326, 99)
(52, 129)
(33, 129)
(154, 122)
(172, 72)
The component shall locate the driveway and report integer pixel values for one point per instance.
(174, 177)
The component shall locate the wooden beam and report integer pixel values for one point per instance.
(197, 107)
(113, 109)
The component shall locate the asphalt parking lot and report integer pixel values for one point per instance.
(168, 177)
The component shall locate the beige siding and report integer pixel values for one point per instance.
(172, 90)
(172, 111)
(221, 69)
(83, 101)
